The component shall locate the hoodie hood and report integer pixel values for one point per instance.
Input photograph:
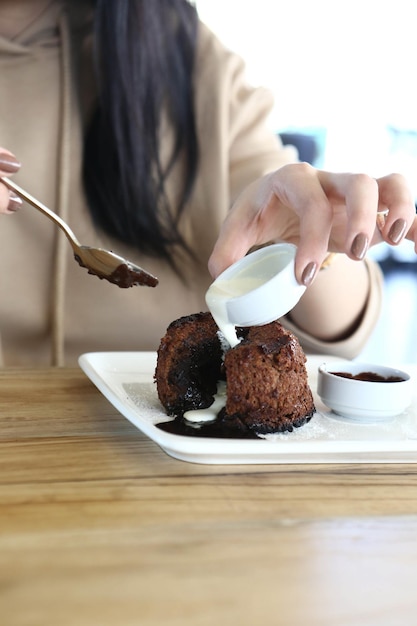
(41, 33)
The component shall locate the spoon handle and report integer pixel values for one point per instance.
(42, 208)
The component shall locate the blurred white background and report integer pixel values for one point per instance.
(345, 67)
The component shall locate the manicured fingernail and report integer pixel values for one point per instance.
(359, 246)
(397, 231)
(14, 202)
(308, 274)
(9, 163)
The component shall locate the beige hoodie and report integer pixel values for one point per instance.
(51, 310)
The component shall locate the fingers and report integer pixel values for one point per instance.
(14, 203)
(9, 201)
(342, 212)
(8, 163)
(318, 211)
(277, 207)
(412, 233)
(227, 250)
(396, 198)
(338, 214)
(359, 198)
(242, 228)
(301, 189)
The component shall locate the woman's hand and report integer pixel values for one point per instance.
(9, 201)
(318, 211)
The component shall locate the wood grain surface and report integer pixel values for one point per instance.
(98, 526)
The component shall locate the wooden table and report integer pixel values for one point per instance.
(98, 526)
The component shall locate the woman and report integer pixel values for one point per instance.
(135, 124)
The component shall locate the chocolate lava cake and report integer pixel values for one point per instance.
(266, 377)
(189, 364)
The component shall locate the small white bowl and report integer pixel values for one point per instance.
(364, 399)
(259, 288)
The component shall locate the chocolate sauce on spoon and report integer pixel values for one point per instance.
(99, 262)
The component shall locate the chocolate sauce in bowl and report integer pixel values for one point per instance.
(370, 377)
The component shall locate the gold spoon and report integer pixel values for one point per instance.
(99, 262)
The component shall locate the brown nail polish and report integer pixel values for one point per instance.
(359, 246)
(9, 163)
(397, 231)
(14, 202)
(308, 274)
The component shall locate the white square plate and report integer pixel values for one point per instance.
(126, 380)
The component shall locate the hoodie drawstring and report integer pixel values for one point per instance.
(62, 208)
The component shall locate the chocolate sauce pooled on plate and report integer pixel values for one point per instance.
(218, 429)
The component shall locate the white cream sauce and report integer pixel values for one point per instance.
(218, 295)
(204, 416)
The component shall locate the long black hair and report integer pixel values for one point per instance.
(144, 57)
